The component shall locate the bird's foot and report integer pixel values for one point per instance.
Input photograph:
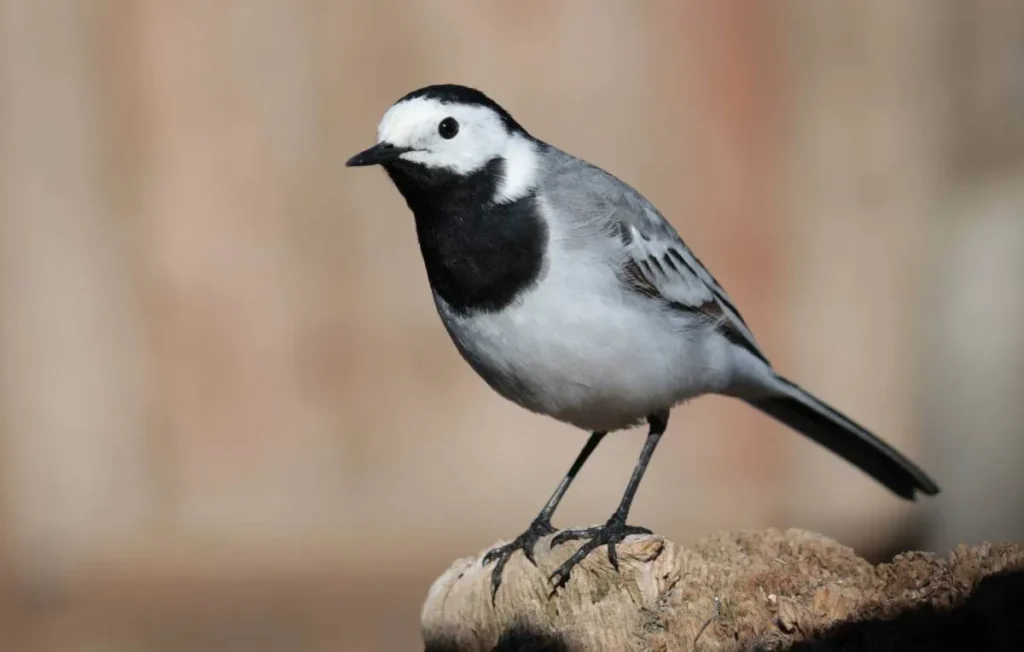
(609, 534)
(526, 542)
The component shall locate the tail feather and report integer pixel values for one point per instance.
(800, 410)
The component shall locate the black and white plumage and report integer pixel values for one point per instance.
(572, 296)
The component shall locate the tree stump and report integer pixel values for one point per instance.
(733, 590)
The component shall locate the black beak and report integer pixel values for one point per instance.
(379, 153)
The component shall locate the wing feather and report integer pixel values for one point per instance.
(655, 262)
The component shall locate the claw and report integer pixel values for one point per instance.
(609, 534)
(528, 552)
(496, 576)
(561, 574)
(525, 542)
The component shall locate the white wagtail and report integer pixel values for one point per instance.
(570, 295)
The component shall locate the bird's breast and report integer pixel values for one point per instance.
(578, 348)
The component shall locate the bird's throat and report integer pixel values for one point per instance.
(479, 255)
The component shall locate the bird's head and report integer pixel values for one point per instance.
(445, 134)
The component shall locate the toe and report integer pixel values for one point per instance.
(561, 576)
(613, 556)
(571, 535)
(493, 553)
(528, 552)
(496, 578)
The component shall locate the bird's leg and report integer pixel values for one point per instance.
(541, 525)
(615, 530)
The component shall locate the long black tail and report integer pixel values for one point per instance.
(798, 409)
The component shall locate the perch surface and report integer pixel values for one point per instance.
(733, 590)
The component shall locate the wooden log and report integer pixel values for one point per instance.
(742, 590)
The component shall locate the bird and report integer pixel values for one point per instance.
(571, 295)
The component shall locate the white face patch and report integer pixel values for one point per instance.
(482, 136)
(521, 163)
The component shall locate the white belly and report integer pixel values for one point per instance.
(579, 348)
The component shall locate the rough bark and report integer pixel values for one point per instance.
(744, 590)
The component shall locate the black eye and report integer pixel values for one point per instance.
(448, 128)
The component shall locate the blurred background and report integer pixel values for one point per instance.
(230, 418)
